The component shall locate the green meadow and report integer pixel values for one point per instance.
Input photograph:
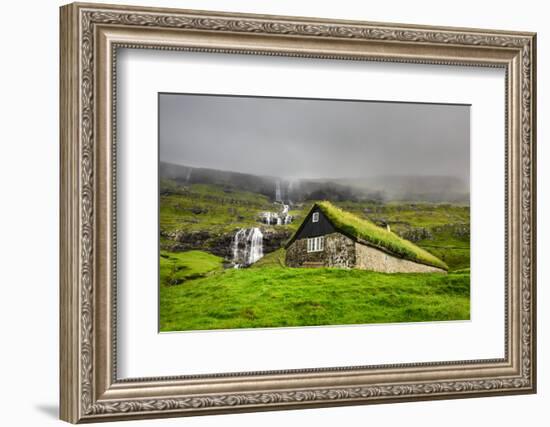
(271, 295)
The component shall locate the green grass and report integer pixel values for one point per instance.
(214, 208)
(280, 297)
(275, 259)
(179, 267)
(364, 229)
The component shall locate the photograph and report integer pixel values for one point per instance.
(293, 212)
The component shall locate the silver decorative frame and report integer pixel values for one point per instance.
(90, 35)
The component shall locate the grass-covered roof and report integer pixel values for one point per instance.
(364, 230)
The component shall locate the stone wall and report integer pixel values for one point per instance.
(369, 258)
(342, 252)
(339, 252)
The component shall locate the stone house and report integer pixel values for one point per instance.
(331, 237)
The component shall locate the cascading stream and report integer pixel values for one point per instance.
(247, 246)
(278, 196)
(277, 218)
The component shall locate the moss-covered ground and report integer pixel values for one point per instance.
(275, 296)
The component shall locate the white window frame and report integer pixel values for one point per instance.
(316, 244)
(315, 217)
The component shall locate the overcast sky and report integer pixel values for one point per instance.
(303, 138)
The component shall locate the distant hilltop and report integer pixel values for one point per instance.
(416, 188)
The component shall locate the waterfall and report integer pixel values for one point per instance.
(278, 197)
(284, 216)
(277, 218)
(292, 190)
(247, 246)
(256, 250)
(236, 243)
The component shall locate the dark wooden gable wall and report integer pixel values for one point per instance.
(314, 229)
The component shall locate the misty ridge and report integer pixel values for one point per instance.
(378, 188)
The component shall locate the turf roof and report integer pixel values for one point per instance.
(364, 230)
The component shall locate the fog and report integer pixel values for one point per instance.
(307, 138)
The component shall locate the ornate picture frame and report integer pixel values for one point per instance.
(90, 37)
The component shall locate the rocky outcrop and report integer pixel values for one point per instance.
(274, 239)
(220, 244)
(416, 234)
(202, 240)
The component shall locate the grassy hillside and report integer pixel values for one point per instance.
(276, 297)
(274, 259)
(180, 267)
(214, 208)
(441, 229)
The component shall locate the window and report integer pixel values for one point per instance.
(316, 244)
(315, 217)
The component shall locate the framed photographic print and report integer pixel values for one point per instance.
(265, 212)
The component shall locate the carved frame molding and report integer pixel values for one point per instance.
(90, 36)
